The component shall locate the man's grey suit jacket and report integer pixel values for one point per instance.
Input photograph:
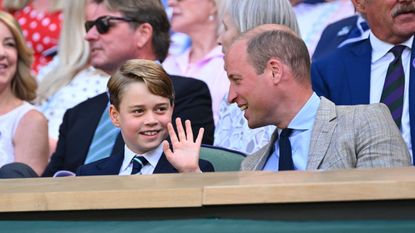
(359, 136)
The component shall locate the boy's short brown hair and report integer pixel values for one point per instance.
(139, 70)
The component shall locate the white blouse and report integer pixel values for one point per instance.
(86, 84)
(8, 125)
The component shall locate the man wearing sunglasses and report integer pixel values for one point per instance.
(118, 31)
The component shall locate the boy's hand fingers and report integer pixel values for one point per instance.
(200, 136)
(180, 130)
(166, 149)
(172, 133)
(189, 131)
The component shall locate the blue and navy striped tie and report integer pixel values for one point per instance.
(138, 163)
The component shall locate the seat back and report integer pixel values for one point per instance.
(222, 159)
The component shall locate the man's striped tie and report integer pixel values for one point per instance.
(393, 89)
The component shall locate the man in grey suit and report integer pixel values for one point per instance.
(269, 71)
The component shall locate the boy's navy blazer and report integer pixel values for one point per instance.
(344, 78)
(112, 165)
(192, 101)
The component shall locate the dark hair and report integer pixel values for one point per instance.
(146, 11)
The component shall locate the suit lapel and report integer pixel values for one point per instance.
(359, 75)
(111, 165)
(266, 152)
(412, 97)
(164, 166)
(257, 160)
(321, 135)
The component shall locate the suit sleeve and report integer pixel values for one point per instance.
(378, 140)
(57, 160)
(194, 102)
(79, 171)
(205, 166)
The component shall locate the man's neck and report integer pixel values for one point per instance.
(294, 104)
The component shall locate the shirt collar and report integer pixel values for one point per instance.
(304, 119)
(152, 156)
(381, 48)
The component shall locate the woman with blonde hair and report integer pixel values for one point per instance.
(68, 79)
(232, 130)
(23, 130)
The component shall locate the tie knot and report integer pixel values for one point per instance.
(138, 163)
(397, 50)
(140, 159)
(285, 133)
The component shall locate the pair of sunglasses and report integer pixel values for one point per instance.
(103, 23)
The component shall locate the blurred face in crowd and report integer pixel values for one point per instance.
(248, 89)
(111, 49)
(392, 21)
(8, 56)
(190, 13)
(142, 117)
(229, 34)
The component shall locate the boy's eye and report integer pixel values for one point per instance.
(138, 111)
(161, 109)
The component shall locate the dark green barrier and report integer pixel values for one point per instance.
(206, 225)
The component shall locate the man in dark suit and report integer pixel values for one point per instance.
(118, 31)
(356, 73)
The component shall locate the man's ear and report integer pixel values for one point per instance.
(143, 34)
(115, 116)
(360, 6)
(276, 68)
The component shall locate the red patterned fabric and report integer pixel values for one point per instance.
(41, 30)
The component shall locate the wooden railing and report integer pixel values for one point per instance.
(196, 191)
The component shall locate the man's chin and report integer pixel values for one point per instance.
(253, 125)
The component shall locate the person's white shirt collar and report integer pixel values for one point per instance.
(152, 157)
(381, 48)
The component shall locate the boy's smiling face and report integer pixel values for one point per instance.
(142, 117)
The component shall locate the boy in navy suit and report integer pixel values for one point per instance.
(142, 101)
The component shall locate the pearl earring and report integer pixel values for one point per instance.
(211, 18)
